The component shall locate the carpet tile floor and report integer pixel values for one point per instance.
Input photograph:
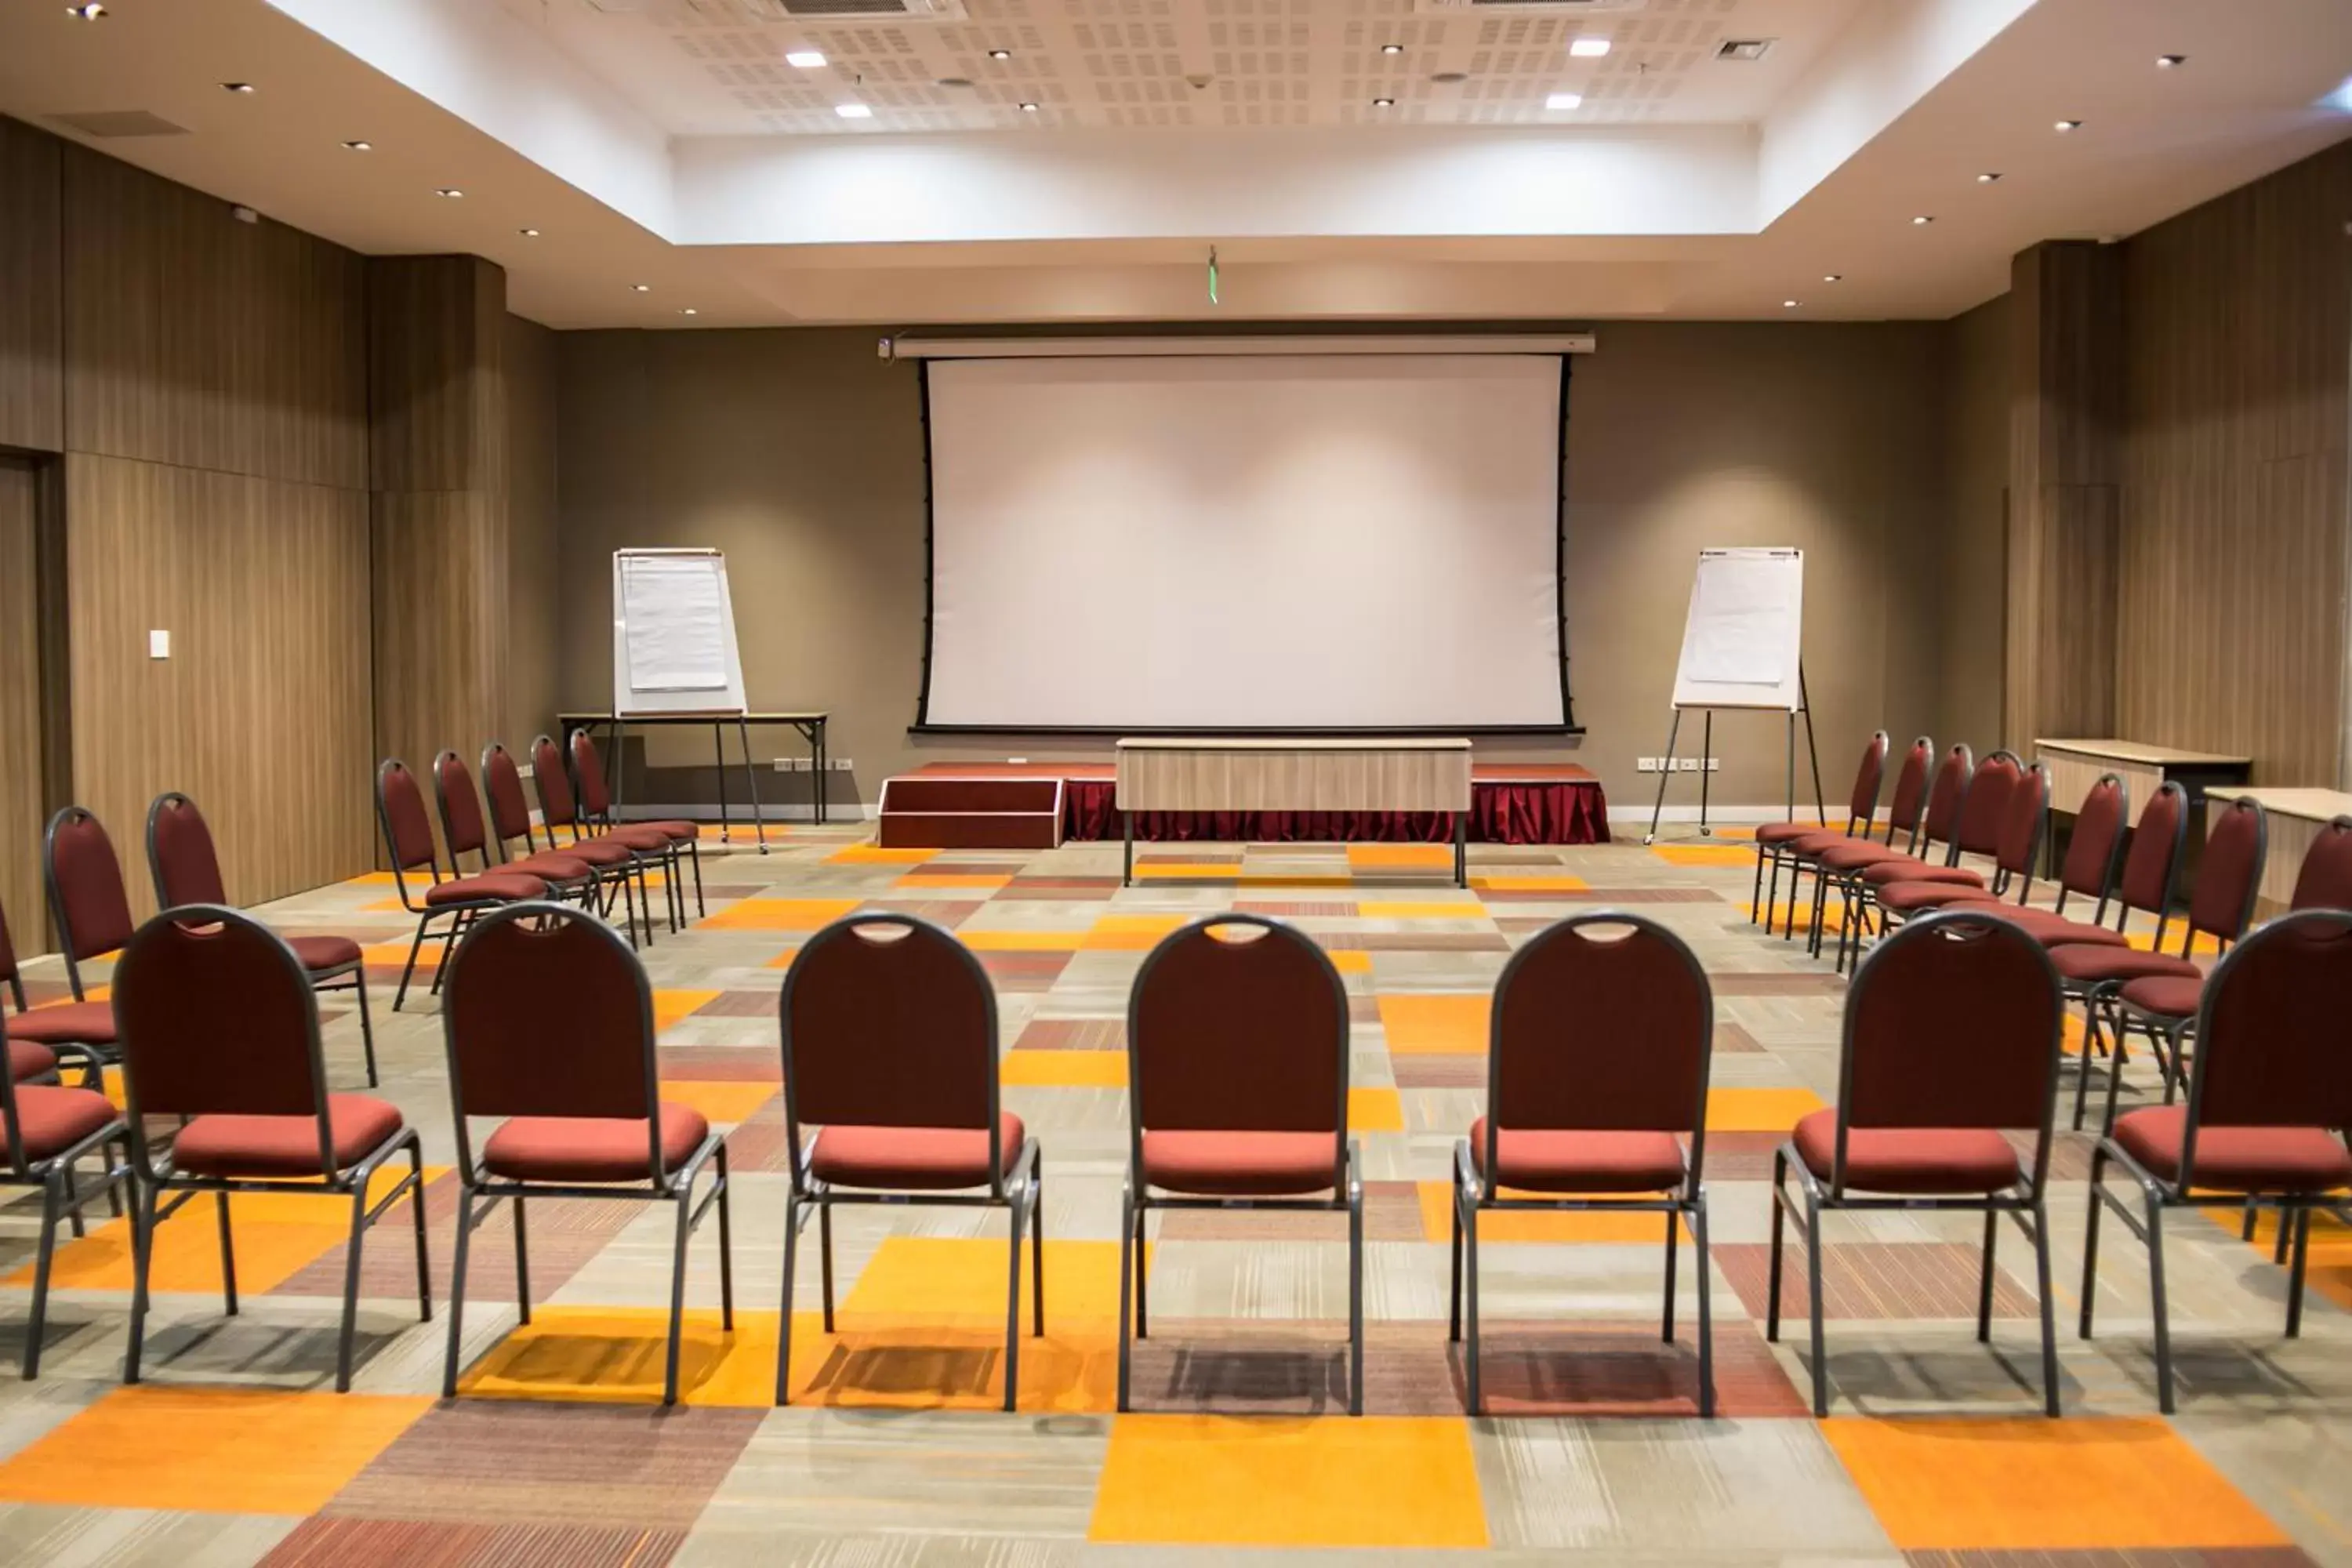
(894, 1454)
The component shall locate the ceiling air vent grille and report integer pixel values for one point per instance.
(1743, 48)
(852, 10)
(1521, 7)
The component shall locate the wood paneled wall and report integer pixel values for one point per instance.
(31, 367)
(2232, 561)
(22, 793)
(437, 335)
(2066, 359)
(532, 542)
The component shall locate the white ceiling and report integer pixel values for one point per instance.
(1719, 195)
(717, 68)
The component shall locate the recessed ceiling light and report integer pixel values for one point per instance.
(1988, 177)
(1563, 99)
(1391, 49)
(1028, 108)
(2065, 125)
(1790, 304)
(1589, 49)
(1448, 78)
(806, 60)
(641, 287)
(2165, 62)
(236, 87)
(689, 311)
(359, 146)
(1832, 277)
(529, 233)
(853, 111)
(1000, 54)
(1384, 103)
(452, 192)
(86, 13)
(1922, 221)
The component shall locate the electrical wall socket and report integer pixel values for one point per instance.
(838, 765)
(1645, 765)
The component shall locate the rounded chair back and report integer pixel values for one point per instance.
(1984, 807)
(2271, 1045)
(2097, 847)
(87, 898)
(502, 786)
(1910, 795)
(216, 1016)
(462, 828)
(1604, 1022)
(2155, 854)
(557, 805)
(180, 854)
(588, 773)
(2325, 880)
(1863, 804)
(2019, 847)
(400, 808)
(2231, 874)
(1944, 796)
(546, 1012)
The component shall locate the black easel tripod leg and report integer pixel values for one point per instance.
(1658, 810)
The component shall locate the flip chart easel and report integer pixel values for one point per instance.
(674, 657)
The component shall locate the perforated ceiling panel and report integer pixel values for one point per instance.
(716, 67)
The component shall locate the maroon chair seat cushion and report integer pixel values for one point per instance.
(551, 865)
(1239, 1164)
(601, 852)
(1787, 832)
(646, 840)
(229, 1146)
(2167, 995)
(2053, 929)
(53, 1120)
(2098, 964)
(2236, 1159)
(919, 1159)
(591, 1148)
(318, 953)
(1579, 1161)
(491, 887)
(69, 1023)
(1881, 873)
(679, 829)
(1909, 1159)
(30, 1059)
(1853, 857)
(1905, 897)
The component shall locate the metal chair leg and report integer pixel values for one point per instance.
(1038, 1243)
(824, 1250)
(2091, 1243)
(457, 1292)
(2049, 1307)
(2156, 1303)
(1453, 1309)
(1012, 1304)
(1984, 1277)
(367, 1024)
(228, 1254)
(409, 969)
(1477, 1397)
(1706, 1309)
(52, 1198)
(142, 1247)
(522, 1260)
(678, 1293)
(784, 1312)
(416, 1208)
(1355, 1289)
(1756, 892)
(1126, 1288)
(1813, 1284)
(1772, 1276)
(351, 1250)
(1142, 1269)
(1674, 1236)
(726, 1245)
(2301, 1219)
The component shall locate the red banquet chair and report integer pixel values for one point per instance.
(91, 912)
(464, 832)
(1845, 863)
(549, 1022)
(220, 1029)
(1776, 841)
(458, 900)
(645, 846)
(2015, 854)
(1597, 1064)
(685, 839)
(1905, 810)
(2165, 1006)
(1907, 1133)
(610, 864)
(1237, 1098)
(45, 1130)
(34, 1038)
(2263, 1122)
(181, 860)
(2222, 907)
(889, 1030)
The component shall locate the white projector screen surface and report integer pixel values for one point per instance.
(1245, 543)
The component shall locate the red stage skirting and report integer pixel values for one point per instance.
(1533, 803)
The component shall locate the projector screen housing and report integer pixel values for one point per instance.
(1287, 543)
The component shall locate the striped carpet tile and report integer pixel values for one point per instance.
(1881, 1279)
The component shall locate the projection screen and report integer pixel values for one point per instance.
(1246, 542)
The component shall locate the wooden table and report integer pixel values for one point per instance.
(2075, 765)
(2296, 816)
(810, 726)
(1307, 774)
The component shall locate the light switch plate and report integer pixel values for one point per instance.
(159, 644)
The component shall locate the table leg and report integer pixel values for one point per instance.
(718, 757)
(751, 783)
(1127, 866)
(620, 767)
(821, 761)
(1462, 849)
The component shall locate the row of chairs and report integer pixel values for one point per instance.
(1239, 1064)
(605, 863)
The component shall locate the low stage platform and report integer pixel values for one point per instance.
(1510, 802)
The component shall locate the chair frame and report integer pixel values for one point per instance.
(155, 1182)
(1853, 888)
(2157, 1195)
(1137, 1200)
(1858, 825)
(579, 823)
(588, 890)
(1019, 1191)
(350, 976)
(60, 1194)
(461, 916)
(2026, 1200)
(675, 1187)
(680, 850)
(1473, 1196)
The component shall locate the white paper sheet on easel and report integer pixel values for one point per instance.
(675, 613)
(1740, 628)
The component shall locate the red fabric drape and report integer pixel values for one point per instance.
(1512, 812)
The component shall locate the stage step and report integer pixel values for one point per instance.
(930, 811)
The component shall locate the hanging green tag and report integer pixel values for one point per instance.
(1212, 275)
